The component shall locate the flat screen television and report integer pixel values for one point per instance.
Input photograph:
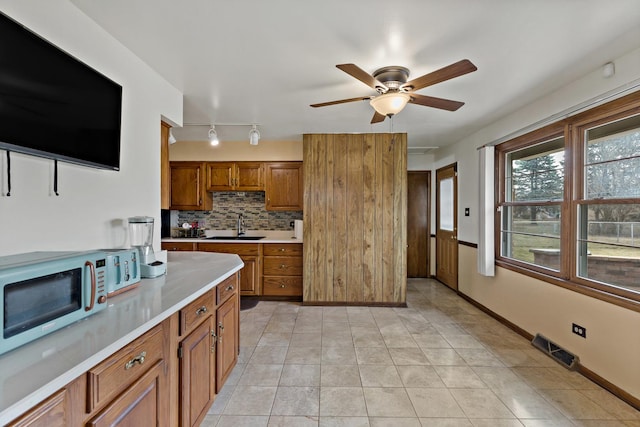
(54, 106)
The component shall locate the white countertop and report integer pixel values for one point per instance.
(270, 236)
(34, 371)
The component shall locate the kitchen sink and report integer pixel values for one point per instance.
(235, 237)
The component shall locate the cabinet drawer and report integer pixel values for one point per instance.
(227, 288)
(282, 286)
(123, 368)
(282, 266)
(231, 248)
(177, 246)
(196, 312)
(282, 249)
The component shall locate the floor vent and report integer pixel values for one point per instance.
(559, 354)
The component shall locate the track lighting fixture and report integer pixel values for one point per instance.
(213, 136)
(172, 139)
(254, 135)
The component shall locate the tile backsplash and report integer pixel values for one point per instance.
(228, 205)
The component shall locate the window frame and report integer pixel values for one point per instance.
(574, 130)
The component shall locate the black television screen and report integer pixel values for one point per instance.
(54, 106)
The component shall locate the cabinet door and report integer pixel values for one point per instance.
(197, 373)
(284, 186)
(227, 351)
(249, 280)
(144, 403)
(220, 176)
(187, 187)
(249, 176)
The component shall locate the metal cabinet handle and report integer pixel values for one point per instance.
(138, 359)
(282, 285)
(221, 326)
(201, 310)
(229, 288)
(283, 266)
(282, 249)
(214, 338)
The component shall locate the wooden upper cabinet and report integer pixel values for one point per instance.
(165, 189)
(284, 186)
(235, 176)
(188, 190)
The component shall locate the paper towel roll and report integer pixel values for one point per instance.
(297, 229)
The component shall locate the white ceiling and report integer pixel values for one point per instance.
(259, 61)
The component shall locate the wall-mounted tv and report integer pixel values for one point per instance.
(54, 106)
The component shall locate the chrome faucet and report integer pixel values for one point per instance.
(241, 230)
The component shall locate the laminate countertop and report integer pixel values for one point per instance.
(31, 373)
(269, 237)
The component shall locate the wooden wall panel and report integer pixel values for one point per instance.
(355, 218)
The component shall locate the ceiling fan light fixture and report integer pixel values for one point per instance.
(213, 136)
(254, 135)
(390, 103)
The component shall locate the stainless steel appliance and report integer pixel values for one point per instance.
(41, 292)
(141, 238)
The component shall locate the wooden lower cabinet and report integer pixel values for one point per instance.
(228, 343)
(50, 413)
(282, 270)
(144, 403)
(197, 373)
(168, 376)
(250, 253)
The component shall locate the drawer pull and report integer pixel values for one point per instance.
(282, 249)
(283, 266)
(138, 359)
(201, 310)
(229, 288)
(282, 285)
(221, 326)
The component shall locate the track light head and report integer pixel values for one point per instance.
(213, 136)
(254, 135)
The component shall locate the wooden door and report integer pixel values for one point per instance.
(447, 226)
(284, 186)
(144, 403)
(418, 224)
(227, 350)
(249, 176)
(197, 374)
(220, 176)
(249, 279)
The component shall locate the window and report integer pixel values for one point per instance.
(569, 202)
(531, 214)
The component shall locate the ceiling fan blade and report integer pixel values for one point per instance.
(430, 101)
(341, 101)
(354, 71)
(377, 118)
(450, 71)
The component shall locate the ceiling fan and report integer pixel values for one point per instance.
(394, 91)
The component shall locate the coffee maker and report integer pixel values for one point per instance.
(141, 238)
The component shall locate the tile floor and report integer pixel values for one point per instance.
(439, 362)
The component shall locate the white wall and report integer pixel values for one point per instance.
(93, 205)
(534, 305)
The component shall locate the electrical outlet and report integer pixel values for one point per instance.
(579, 330)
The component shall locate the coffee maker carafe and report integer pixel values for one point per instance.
(141, 238)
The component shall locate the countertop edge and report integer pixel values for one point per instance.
(24, 404)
